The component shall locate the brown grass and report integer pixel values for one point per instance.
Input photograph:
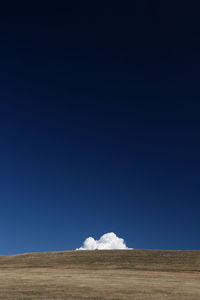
(98, 275)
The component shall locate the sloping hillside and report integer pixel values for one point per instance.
(111, 274)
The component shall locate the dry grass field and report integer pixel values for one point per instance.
(98, 275)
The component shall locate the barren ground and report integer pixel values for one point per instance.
(100, 275)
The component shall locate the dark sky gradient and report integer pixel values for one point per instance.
(99, 125)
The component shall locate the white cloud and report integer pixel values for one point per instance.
(106, 241)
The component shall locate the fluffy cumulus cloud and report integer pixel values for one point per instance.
(107, 241)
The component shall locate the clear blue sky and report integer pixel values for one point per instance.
(99, 126)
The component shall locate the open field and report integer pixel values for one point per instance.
(98, 275)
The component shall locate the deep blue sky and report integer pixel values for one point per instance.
(99, 125)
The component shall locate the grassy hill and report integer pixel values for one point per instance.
(105, 274)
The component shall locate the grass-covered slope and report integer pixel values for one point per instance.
(103, 274)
